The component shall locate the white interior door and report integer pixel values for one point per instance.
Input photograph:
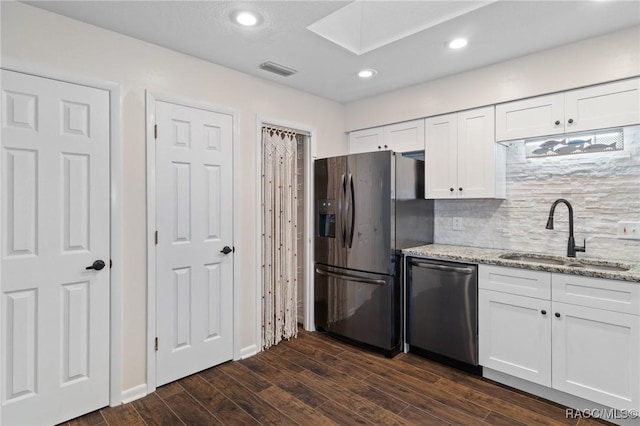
(194, 214)
(55, 223)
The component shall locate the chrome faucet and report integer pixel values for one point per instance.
(571, 246)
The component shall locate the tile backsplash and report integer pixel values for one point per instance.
(603, 188)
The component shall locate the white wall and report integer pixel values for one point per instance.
(605, 58)
(45, 40)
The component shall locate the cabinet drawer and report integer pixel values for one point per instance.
(523, 282)
(611, 295)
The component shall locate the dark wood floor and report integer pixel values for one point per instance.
(316, 380)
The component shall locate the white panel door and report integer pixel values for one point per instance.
(596, 355)
(441, 156)
(603, 106)
(476, 154)
(514, 335)
(55, 223)
(528, 118)
(195, 220)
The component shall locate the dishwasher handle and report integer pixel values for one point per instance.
(350, 277)
(428, 265)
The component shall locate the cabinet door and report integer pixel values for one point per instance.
(599, 107)
(476, 154)
(367, 140)
(405, 137)
(514, 335)
(596, 355)
(543, 115)
(441, 156)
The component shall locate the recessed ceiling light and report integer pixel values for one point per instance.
(368, 73)
(458, 43)
(246, 18)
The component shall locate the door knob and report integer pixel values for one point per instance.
(226, 250)
(97, 265)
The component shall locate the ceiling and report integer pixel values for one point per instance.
(497, 31)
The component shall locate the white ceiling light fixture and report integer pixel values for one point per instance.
(246, 18)
(367, 73)
(458, 43)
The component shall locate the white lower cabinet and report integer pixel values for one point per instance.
(515, 335)
(583, 348)
(596, 355)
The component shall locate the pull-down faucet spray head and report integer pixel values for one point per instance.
(550, 222)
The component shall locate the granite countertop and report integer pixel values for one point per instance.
(492, 257)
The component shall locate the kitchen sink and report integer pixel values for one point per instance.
(599, 266)
(529, 258)
(593, 265)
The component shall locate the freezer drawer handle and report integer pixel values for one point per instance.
(350, 277)
(441, 267)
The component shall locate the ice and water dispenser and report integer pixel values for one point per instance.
(327, 218)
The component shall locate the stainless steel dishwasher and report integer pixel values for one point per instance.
(442, 309)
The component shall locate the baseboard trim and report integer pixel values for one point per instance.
(248, 351)
(134, 393)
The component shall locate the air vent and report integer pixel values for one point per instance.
(277, 69)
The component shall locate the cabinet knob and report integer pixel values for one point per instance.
(451, 189)
(460, 189)
(557, 123)
(557, 314)
(379, 147)
(543, 312)
(385, 146)
(570, 121)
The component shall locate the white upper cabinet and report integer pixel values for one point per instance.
(405, 137)
(600, 107)
(462, 159)
(365, 140)
(401, 137)
(597, 107)
(441, 156)
(527, 118)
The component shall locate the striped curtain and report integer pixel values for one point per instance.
(279, 248)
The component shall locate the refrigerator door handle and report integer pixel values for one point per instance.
(349, 277)
(352, 209)
(441, 267)
(341, 211)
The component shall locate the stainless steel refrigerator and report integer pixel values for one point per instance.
(368, 207)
